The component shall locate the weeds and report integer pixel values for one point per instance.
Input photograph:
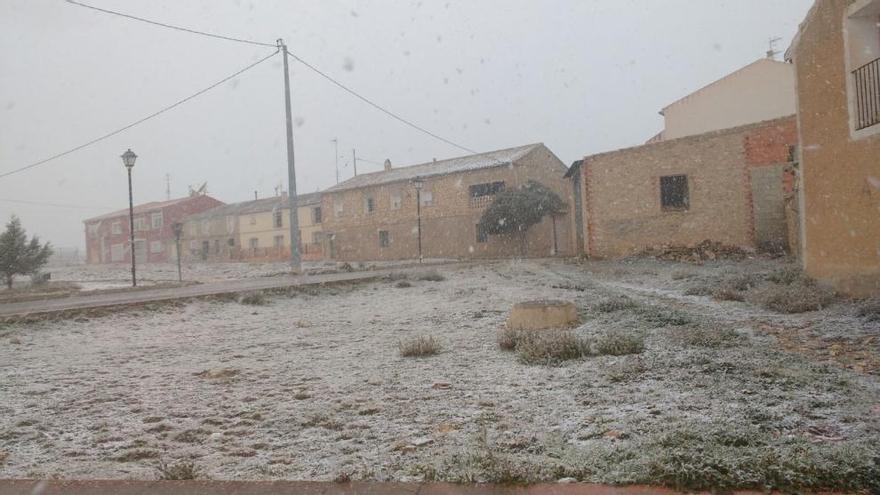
(625, 370)
(421, 346)
(403, 284)
(253, 299)
(698, 290)
(508, 338)
(431, 276)
(869, 309)
(711, 337)
(798, 297)
(620, 303)
(619, 343)
(661, 317)
(181, 470)
(550, 347)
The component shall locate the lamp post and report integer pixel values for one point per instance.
(418, 183)
(128, 159)
(177, 227)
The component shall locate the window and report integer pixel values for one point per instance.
(316, 214)
(230, 224)
(396, 200)
(481, 194)
(193, 245)
(216, 246)
(277, 219)
(116, 228)
(674, 192)
(156, 220)
(482, 235)
(254, 243)
(193, 229)
(117, 252)
(230, 242)
(369, 205)
(337, 208)
(384, 238)
(317, 237)
(93, 229)
(206, 227)
(155, 246)
(862, 32)
(278, 241)
(140, 224)
(253, 220)
(427, 198)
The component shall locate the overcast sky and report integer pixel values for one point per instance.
(581, 76)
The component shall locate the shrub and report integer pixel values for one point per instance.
(661, 317)
(625, 370)
(550, 347)
(182, 470)
(698, 290)
(508, 338)
(423, 345)
(403, 284)
(613, 304)
(253, 299)
(431, 276)
(786, 276)
(712, 337)
(869, 309)
(797, 297)
(619, 343)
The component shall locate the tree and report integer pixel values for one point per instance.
(17, 255)
(514, 211)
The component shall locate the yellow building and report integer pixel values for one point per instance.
(254, 230)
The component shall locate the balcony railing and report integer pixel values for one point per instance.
(866, 80)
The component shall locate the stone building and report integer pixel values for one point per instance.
(762, 90)
(726, 186)
(108, 236)
(375, 216)
(836, 55)
(253, 230)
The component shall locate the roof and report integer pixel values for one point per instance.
(255, 206)
(439, 167)
(142, 208)
(575, 166)
(713, 83)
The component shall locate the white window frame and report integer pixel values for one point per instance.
(116, 228)
(156, 246)
(427, 198)
(117, 252)
(140, 224)
(851, 12)
(156, 220)
(396, 200)
(338, 209)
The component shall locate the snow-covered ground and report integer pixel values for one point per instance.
(312, 386)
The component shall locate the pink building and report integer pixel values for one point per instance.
(107, 236)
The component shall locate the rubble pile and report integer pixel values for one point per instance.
(704, 251)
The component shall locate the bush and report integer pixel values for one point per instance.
(431, 276)
(869, 309)
(712, 337)
(253, 299)
(508, 338)
(786, 276)
(423, 345)
(797, 297)
(619, 343)
(661, 317)
(550, 347)
(613, 304)
(182, 470)
(625, 370)
(698, 290)
(734, 287)
(403, 284)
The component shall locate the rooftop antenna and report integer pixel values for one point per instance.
(167, 187)
(772, 52)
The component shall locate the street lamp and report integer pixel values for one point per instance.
(128, 159)
(177, 227)
(418, 183)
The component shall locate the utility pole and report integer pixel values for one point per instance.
(354, 162)
(167, 187)
(295, 260)
(336, 157)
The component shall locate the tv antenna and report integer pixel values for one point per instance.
(772, 51)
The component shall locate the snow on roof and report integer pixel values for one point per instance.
(255, 206)
(439, 167)
(141, 208)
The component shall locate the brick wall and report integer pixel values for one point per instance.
(622, 201)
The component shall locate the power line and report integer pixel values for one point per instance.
(57, 205)
(377, 106)
(139, 121)
(155, 23)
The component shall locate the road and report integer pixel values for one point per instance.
(99, 300)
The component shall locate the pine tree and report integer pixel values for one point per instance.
(516, 210)
(17, 255)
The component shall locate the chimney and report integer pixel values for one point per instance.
(387, 164)
(434, 160)
(255, 195)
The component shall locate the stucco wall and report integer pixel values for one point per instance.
(761, 91)
(840, 174)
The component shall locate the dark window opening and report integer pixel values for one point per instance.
(487, 189)
(230, 242)
(384, 238)
(482, 235)
(370, 205)
(316, 215)
(277, 219)
(674, 192)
